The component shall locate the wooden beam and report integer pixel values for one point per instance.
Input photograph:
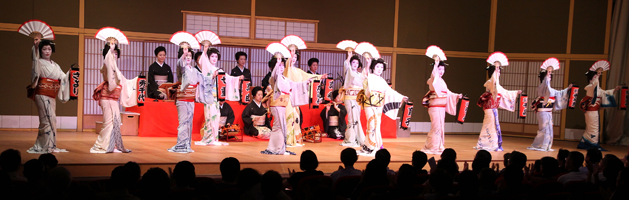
(81, 62)
(492, 26)
(252, 21)
(570, 21)
(608, 25)
(566, 82)
(395, 33)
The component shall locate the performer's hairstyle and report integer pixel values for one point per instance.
(590, 75)
(374, 62)
(107, 47)
(43, 43)
(491, 69)
(197, 55)
(240, 53)
(441, 63)
(312, 60)
(355, 57)
(273, 62)
(180, 52)
(335, 93)
(298, 56)
(255, 90)
(212, 50)
(160, 49)
(308, 160)
(542, 75)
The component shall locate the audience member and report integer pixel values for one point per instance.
(481, 161)
(562, 154)
(385, 157)
(419, 161)
(229, 167)
(574, 161)
(308, 163)
(441, 183)
(348, 157)
(120, 181)
(155, 184)
(10, 161)
(184, 175)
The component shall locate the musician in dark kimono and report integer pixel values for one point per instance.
(227, 113)
(159, 73)
(256, 122)
(333, 117)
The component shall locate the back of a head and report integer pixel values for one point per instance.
(576, 160)
(184, 173)
(59, 179)
(623, 178)
(136, 172)
(419, 159)
(308, 160)
(449, 165)
(384, 156)
(613, 165)
(406, 176)
(593, 155)
(468, 182)
(10, 160)
(230, 167)
(448, 154)
(349, 157)
(121, 177)
(271, 184)
(487, 178)
(49, 160)
(562, 154)
(550, 167)
(376, 173)
(441, 181)
(33, 170)
(517, 159)
(155, 182)
(247, 178)
(513, 176)
(481, 161)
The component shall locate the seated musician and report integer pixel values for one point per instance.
(159, 73)
(254, 117)
(227, 114)
(333, 117)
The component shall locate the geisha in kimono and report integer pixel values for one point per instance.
(595, 99)
(495, 97)
(439, 100)
(354, 135)
(379, 98)
(114, 87)
(49, 83)
(279, 101)
(548, 100)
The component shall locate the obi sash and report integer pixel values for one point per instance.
(432, 100)
(587, 106)
(160, 79)
(333, 121)
(351, 93)
(101, 92)
(48, 87)
(188, 94)
(281, 101)
(375, 99)
(539, 106)
(258, 120)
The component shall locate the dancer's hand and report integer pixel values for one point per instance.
(324, 76)
(405, 99)
(569, 86)
(349, 54)
(519, 91)
(241, 77)
(617, 88)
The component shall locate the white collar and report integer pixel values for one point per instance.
(160, 65)
(221, 105)
(241, 70)
(259, 106)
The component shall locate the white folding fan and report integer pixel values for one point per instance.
(294, 42)
(32, 27)
(603, 64)
(276, 47)
(551, 62)
(435, 50)
(367, 49)
(209, 36)
(498, 56)
(107, 33)
(347, 45)
(182, 36)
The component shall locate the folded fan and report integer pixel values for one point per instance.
(603, 64)
(498, 56)
(347, 45)
(367, 49)
(277, 47)
(209, 36)
(435, 50)
(32, 27)
(294, 42)
(182, 36)
(107, 33)
(551, 62)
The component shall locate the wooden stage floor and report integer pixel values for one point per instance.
(151, 152)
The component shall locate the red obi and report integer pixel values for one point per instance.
(48, 87)
(585, 104)
(188, 94)
(486, 101)
(102, 93)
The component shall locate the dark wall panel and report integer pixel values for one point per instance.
(17, 72)
(467, 76)
(532, 26)
(588, 27)
(413, 24)
(55, 13)
(410, 80)
(368, 20)
(156, 16)
(574, 117)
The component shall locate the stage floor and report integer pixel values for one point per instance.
(151, 152)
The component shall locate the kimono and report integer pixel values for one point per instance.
(548, 101)
(439, 100)
(354, 135)
(334, 121)
(51, 83)
(261, 131)
(195, 87)
(212, 113)
(162, 71)
(379, 98)
(114, 87)
(495, 97)
(227, 114)
(299, 96)
(595, 99)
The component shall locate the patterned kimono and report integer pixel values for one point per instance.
(549, 100)
(115, 87)
(495, 97)
(379, 99)
(299, 96)
(439, 100)
(194, 87)
(354, 135)
(51, 83)
(595, 99)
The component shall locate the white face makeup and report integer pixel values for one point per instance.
(354, 64)
(280, 70)
(293, 60)
(497, 71)
(441, 70)
(378, 69)
(46, 52)
(188, 58)
(213, 58)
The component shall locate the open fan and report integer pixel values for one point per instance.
(603, 64)
(367, 50)
(108, 33)
(181, 38)
(347, 45)
(278, 48)
(33, 27)
(208, 36)
(498, 56)
(551, 62)
(294, 42)
(435, 50)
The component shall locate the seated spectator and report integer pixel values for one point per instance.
(573, 163)
(375, 175)
(229, 172)
(247, 179)
(405, 181)
(622, 188)
(49, 160)
(606, 179)
(517, 159)
(155, 184)
(308, 163)
(271, 186)
(184, 175)
(562, 154)
(592, 157)
(136, 173)
(120, 181)
(34, 173)
(468, 184)
(441, 183)
(419, 161)
(348, 157)
(481, 161)
(487, 182)
(549, 169)
(10, 161)
(385, 157)
(513, 177)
